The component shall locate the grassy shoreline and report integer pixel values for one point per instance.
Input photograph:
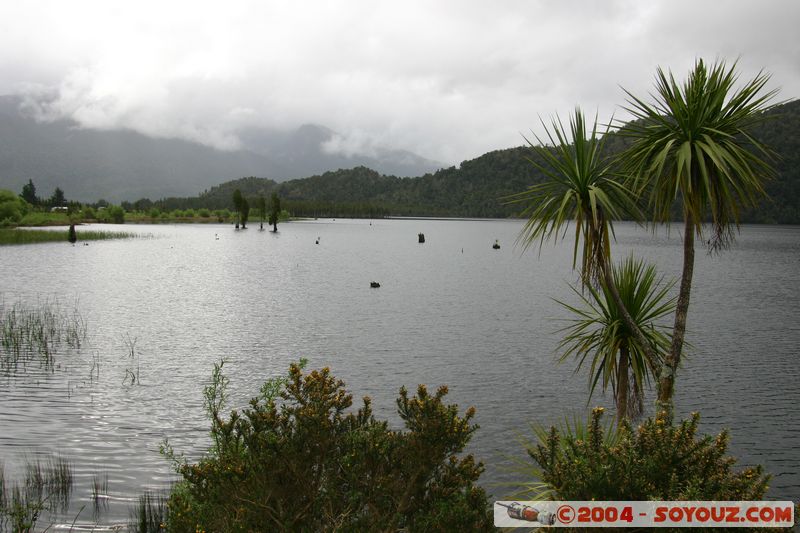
(15, 236)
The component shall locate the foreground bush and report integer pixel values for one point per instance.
(12, 208)
(296, 461)
(656, 461)
(113, 214)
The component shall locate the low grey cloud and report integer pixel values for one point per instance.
(449, 80)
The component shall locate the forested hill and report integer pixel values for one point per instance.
(479, 187)
(782, 134)
(475, 189)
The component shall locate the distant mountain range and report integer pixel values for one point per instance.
(124, 165)
(314, 149)
(480, 187)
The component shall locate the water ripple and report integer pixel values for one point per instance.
(481, 321)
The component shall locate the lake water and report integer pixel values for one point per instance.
(451, 311)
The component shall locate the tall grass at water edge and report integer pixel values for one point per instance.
(47, 487)
(37, 333)
(11, 236)
(150, 515)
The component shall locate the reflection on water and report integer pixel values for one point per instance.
(452, 310)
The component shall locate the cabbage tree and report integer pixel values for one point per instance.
(598, 335)
(692, 146)
(581, 187)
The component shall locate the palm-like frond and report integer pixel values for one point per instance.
(693, 143)
(580, 186)
(599, 335)
(571, 429)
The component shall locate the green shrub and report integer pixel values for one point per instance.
(223, 215)
(154, 212)
(189, 213)
(117, 214)
(88, 213)
(203, 213)
(12, 207)
(656, 461)
(113, 214)
(296, 461)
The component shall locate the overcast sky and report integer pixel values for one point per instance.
(449, 80)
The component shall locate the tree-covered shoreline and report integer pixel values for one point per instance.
(477, 188)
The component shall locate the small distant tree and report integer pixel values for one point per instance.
(29, 193)
(275, 211)
(262, 209)
(245, 212)
(237, 205)
(143, 204)
(58, 199)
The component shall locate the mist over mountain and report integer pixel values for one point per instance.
(314, 169)
(118, 165)
(481, 187)
(314, 149)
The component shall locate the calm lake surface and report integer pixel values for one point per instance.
(450, 311)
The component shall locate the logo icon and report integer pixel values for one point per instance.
(566, 514)
(527, 513)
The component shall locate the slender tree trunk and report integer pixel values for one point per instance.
(622, 384)
(627, 318)
(666, 381)
(608, 277)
